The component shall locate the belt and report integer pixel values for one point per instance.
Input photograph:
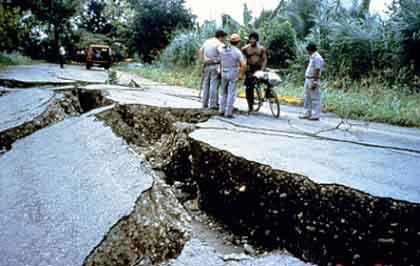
(211, 63)
(311, 77)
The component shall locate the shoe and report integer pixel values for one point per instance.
(221, 114)
(230, 116)
(304, 117)
(313, 119)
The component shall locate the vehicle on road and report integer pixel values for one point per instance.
(264, 91)
(99, 54)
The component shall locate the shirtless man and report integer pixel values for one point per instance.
(256, 56)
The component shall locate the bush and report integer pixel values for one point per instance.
(353, 46)
(14, 59)
(280, 41)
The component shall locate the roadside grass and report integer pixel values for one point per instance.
(8, 59)
(374, 102)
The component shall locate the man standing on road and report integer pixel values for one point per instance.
(312, 104)
(209, 55)
(256, 56)
(233, 66)
(62, 54)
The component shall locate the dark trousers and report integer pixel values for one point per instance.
(249, 89)
(61, 58)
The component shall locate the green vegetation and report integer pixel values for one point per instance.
(8, 59)
(11, 31)
(155, 21)
(280, 39)
(133, 28)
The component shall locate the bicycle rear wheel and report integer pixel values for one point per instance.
(274, 102)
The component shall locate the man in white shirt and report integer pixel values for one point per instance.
(62, 54)
(209, 55)
(233, 65)
(312, 104)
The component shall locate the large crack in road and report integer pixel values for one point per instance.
(323, 224)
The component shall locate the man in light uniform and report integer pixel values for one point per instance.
(312, 104)
(233, 66)
(209, 55)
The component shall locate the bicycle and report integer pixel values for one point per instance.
(265, 83)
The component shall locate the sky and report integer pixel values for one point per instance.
(213, 9)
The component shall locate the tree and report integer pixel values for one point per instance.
(154, 23)
(302, 15)
(278, 9)
(406, 27)
(230, 25)
(11, 30)
(94, 19)
(56, 13)
(365, 6)
(264, 18)
(120, 13)
(247, 15)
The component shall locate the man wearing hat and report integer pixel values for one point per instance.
(312, 103)
(209, 55)
(233, 66)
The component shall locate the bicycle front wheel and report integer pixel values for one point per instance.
(258, 98)
(274, 102)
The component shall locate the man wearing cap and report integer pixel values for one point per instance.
(233, 66)
(256, 56)
(312, 105)
(209, 55)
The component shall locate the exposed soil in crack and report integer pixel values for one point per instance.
(67, 103)
(155, 231)
(324, 224)
(11, 83)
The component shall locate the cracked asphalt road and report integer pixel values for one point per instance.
(63, 187)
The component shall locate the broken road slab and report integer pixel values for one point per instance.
(62, 189)
(381, 172)
(19, 107)
(49, 74)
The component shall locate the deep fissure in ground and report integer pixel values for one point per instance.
(324, 224)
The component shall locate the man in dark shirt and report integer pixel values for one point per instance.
(256, 56)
